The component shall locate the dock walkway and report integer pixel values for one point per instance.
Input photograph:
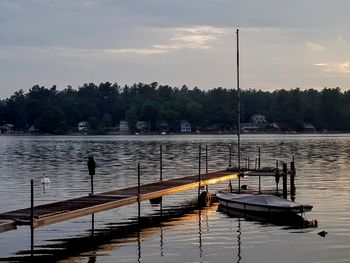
(77, 207)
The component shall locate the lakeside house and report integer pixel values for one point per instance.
(259, 119)
(249, 127)
(185, 126)
(82, 126)
(143, 126)
(7, 128)
(163, 126)
(309, 127)
(124, 127)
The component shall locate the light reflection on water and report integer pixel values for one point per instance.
(322, 164)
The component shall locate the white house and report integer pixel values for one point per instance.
(258, 119)
(249, 127)
(143, 126)
(185, 126)
(82, 126)
(309, 127)
(123, 126)
(7, 128)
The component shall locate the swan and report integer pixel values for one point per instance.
(45, 180)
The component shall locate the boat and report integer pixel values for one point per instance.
(262, 203)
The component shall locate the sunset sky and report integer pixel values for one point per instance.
(284, 44)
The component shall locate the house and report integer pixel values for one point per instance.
(249, 127)
(275, 125)
(7, 128)
(124, 127)
(83, 126)
(258, 119)
(185, 126)
(309, 127)
(163, 126)
(32, 129)
(143, 126)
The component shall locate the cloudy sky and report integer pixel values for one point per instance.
(284, 43)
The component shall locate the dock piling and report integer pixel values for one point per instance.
(91, 167)
(32, 217)
(161, 162)
(256, 164)
(284, 179)
(199, 170)
(292, 180)
(206, 158)
(277, 176)
(259, 158)
(138, 191)
(230, 156)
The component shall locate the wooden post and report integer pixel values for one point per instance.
(259, 158)
(292, 180)
(259, 184)
(92, 184)
(284, 178)
(161, 163)
(277, 176)
(32, 217)
(248, 163)
(92, 225)
(206, 158)
(199, 170)
(91, 166)
(239, 181)
(230, 156)
(256, 164)
(139, 191)
(161, 177)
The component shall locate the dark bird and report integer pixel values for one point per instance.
(322, 233)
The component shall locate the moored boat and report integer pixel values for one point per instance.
(261, 203)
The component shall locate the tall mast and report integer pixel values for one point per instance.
(238, 106)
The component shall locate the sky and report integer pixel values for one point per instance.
(284, 44)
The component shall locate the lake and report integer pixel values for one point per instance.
(184, 233)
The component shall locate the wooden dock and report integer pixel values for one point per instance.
(51, 213)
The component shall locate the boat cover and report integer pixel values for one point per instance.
(261, 200)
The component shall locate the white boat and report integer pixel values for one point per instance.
(262, 203)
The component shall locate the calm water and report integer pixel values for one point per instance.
(184, 234)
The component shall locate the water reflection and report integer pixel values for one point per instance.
(103, 240)
(138, 246)
(200, 233)
(161, 246)
(239, 257)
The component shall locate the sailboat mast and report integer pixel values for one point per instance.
(238, 107)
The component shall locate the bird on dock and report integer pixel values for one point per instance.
(45, 180)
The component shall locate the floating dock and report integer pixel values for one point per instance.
(56, 212)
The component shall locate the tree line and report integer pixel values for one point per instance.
(103, 106)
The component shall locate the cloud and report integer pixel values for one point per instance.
(335, 67)
(198, 37)
(314, 47)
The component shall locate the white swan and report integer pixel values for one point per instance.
(45, 180)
